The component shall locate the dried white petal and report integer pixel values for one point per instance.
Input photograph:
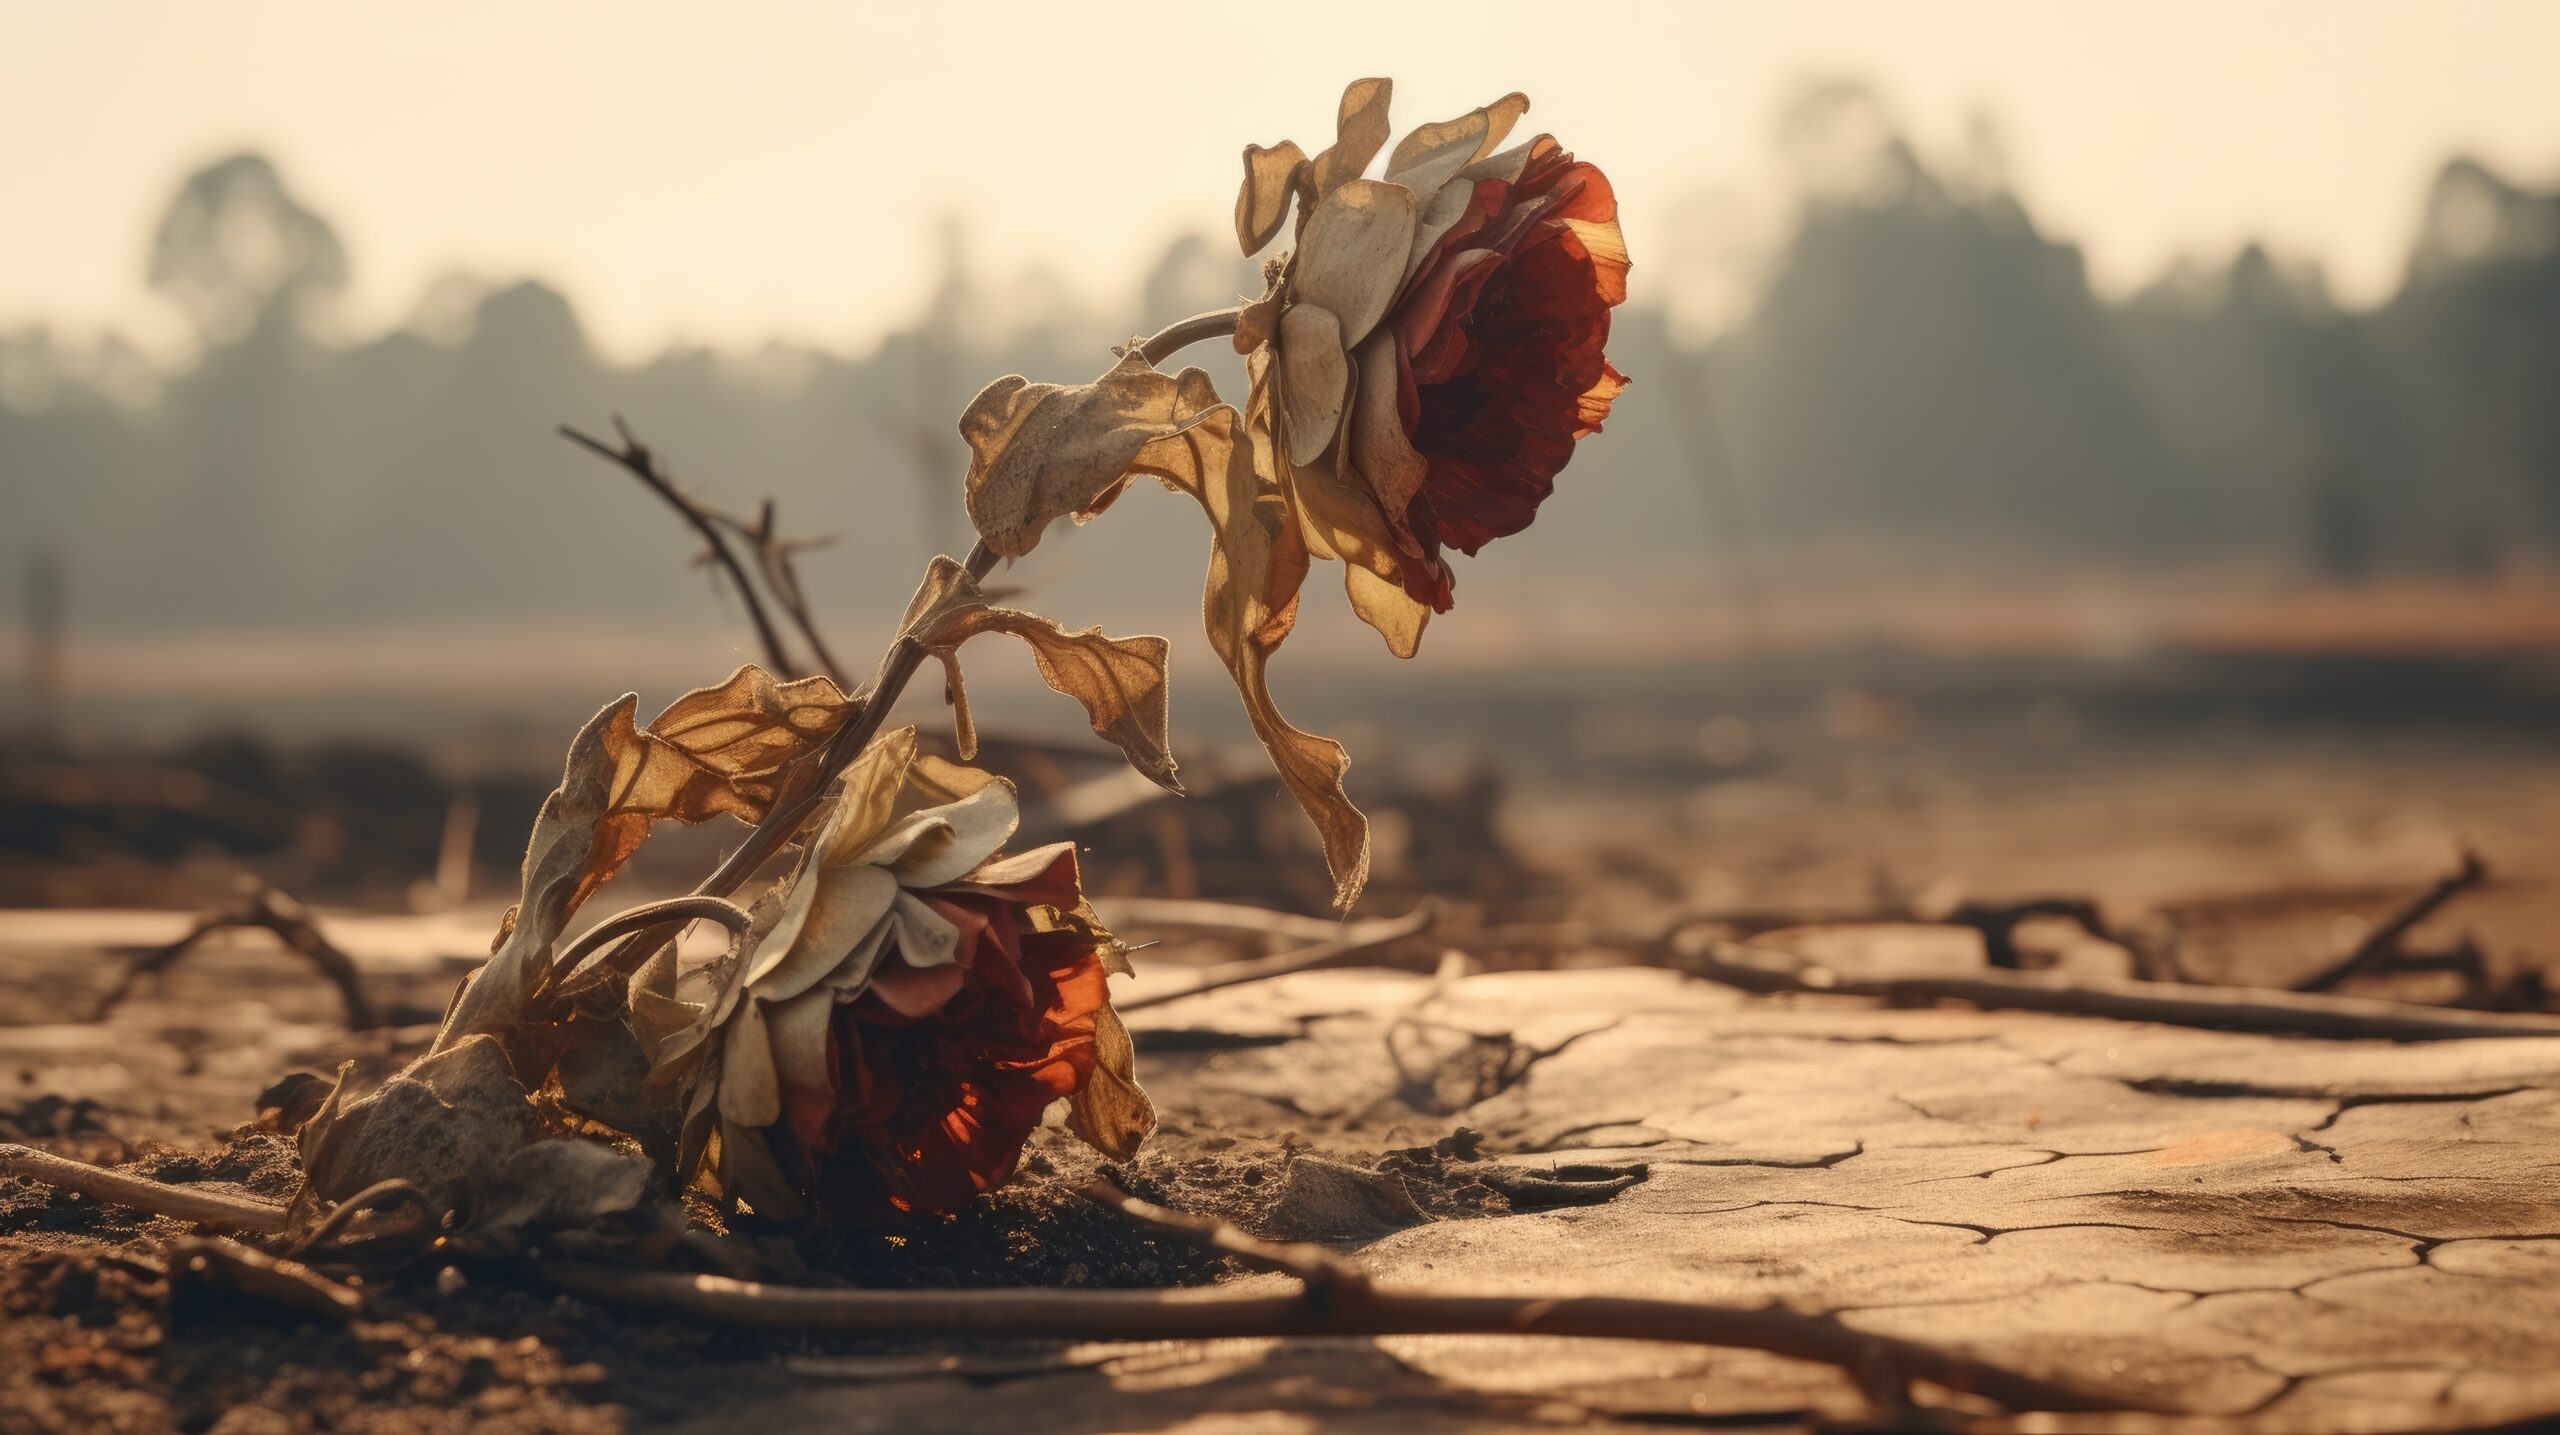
(1315, 376)
(941, 844)
(925, 937)
(798, 1031)
(1433, 155)
(1351, 257)
(750, 1092)
(1360, 131)
(849, 904)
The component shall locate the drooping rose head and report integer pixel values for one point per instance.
(1435, 344)
(905, 1007)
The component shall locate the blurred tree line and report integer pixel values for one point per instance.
(1922, 375)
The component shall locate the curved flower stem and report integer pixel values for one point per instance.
(1173, 338)
(808, 780)
(648, 915)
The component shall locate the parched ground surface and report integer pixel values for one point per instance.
(2253, 1232)
(2275, 1233)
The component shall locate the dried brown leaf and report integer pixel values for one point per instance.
(1111, 1113)
(1041, 452)
(1262, 203)
(1120, 681)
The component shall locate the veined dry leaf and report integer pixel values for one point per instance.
(1359, 132)
(1120, 681)
(1111, 1113)
(716, 750)
(1270, 177)
(1041, 452)
(1257, 563)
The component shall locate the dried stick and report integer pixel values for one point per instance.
(230, 1265)
(1363, 1310)
(776, 559)
(210, 1209)
(1761, 969)
(1356, 940)
(634, 456)
(1189, 915)
(1313, 1264)
(265, 909)
(806, 783)
(2380, 950)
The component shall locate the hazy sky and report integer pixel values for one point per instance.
(742, 170)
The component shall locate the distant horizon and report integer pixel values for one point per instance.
(788, 199)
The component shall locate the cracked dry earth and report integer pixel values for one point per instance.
(2263, 1233)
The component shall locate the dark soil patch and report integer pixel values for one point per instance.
(93, 1335)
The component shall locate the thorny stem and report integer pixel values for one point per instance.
(807, 782)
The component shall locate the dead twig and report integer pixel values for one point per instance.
(1763, 969)
(1313, 1264)
(635, 458)
(261, 908)
(1370, 1310)
(1353, 941)
(213, 1210)
(1187, 915)
(777, 559)
(213, 1261)
(2380, 950)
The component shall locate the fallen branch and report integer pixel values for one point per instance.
(1353, 941)
(261, 908)
(1763, 969)
(2380, 950)
(210, 1209)
(1365, 1310)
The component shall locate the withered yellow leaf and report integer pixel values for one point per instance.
(1120, 681)
(1257, 563)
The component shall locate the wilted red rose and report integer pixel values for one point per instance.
(1498, 357)
(942, 1073)
(1434, 347)
(906, 1007)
